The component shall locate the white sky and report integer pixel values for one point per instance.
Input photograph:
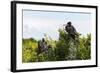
(38, 23)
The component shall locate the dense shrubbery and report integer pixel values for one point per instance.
(61, 50)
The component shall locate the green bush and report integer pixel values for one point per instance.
(63, 49)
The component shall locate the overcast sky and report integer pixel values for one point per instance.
(38, 23)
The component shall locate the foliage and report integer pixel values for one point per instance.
(84, 50)
(60, 50)
(29, 50)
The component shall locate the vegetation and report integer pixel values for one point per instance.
(64, 49)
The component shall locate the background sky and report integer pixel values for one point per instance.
(38, 23)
